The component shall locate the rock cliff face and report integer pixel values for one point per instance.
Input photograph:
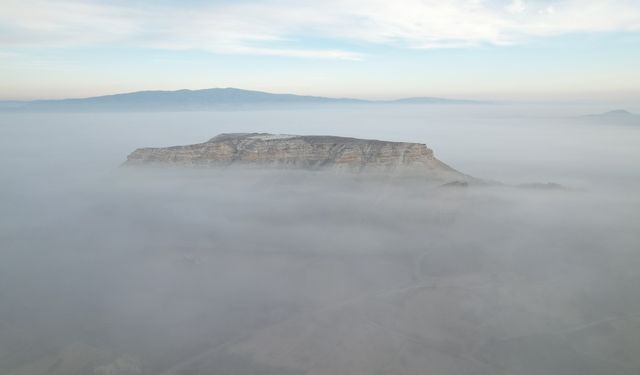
(301, 152)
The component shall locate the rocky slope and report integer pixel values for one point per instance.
(302, 152)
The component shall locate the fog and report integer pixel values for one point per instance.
(114, 270)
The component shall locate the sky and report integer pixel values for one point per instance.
(561, 50)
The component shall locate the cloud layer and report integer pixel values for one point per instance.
(293, 28)
(222, 271)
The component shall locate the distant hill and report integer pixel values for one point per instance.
(617, 113)
(615, 117)
(207, 99)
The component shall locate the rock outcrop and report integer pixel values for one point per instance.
(301, 152)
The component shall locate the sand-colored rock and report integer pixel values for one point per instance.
(300, 152)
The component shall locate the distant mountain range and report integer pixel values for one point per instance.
(216, 98)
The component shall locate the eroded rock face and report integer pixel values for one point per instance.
(294, 151)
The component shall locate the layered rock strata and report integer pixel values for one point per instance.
(298, 152)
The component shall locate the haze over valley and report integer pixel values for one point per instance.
(258, 271)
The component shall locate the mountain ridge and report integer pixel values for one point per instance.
(202, 99)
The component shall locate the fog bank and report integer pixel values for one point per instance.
(110, 270)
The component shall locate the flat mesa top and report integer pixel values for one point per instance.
(268, 137)
(307, 138)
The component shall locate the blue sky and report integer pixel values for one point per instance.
(488, 49)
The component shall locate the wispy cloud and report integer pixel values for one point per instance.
(517, 6)
(283, 27)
